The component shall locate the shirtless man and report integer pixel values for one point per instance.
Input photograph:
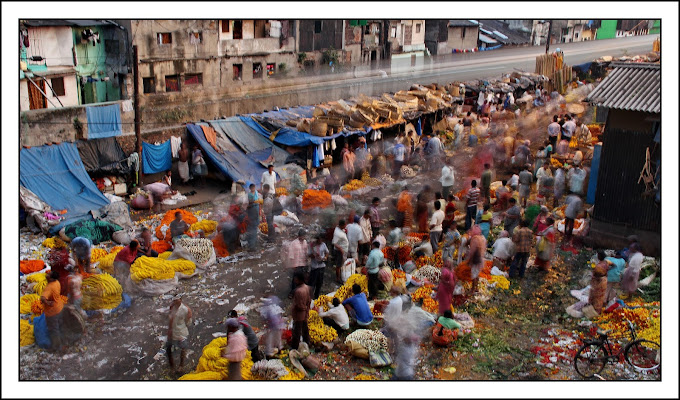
(184, 163)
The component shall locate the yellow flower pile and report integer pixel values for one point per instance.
(101, 291)
(206, 225)
(292, 375)
(367, 180)
(40, 280)
(423, 292)
(25, 333)
(165, 255)
(354, 184)
(281, 191)
(364, 377)
(54, 242)
(26, 301)
(645, 318)
(106, 262)
(97, 254)
(345, 291)
(159, 269)
(212, 361)
(501, 282)
(324, 302)
(318, 331)
(264, 228)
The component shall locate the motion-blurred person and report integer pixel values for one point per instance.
(235, 352)
(52, 307)
(178, 331)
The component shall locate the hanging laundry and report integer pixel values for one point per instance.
(210, 135)
(333, 145)
(320, 154)
(103, 121)
(175, 143)
(127, 106)
(156, 158)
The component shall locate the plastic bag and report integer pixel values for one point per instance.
(152, 287)
(380, 358)
(357, 350)
(42, 336)
(347, 269)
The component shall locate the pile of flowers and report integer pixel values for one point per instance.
(30, 266)
(318, 331)
(161, 246)
(423, 292)
(368, 181)
(97, 254)
(354, 184)
(364, 377)
(106, 263)
(403, 253)
(25, 333)
(37, 307)
(387, 178)
(26, 301)
(345, 291)
(212, 361)
(315, 198)
(205, 225)
(54, 242)
(430, 305)
(371, 340)
(101, 291)
(645, 317)
(281, 191)
(428, 272)
(264, 228)
(435, 260)
(40, 281)
(501, 282)
(157, 268)
(324, 302)
(560, 346)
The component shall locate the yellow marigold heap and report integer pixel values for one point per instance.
(364, 377)
(25, 333)
(318, 331)
(26, 301)
(354, 184)
(40, 280)
(54, 242)
(324, 302)
(106, 262)
(645, 318)
(97, 254)
(101, 291)
(159, 269)
(212, 361)
(367, 180)
(281, 191)
(206, 225)
(430, 305)
(345, 291)
(501, 282)
(423, 292)
(165, 255)
(264, 228)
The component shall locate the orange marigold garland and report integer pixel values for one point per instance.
(169, 216)
(315, 198)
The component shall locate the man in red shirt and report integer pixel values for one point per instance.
(122, 262)
(51, 300)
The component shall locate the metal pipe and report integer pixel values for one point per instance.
(138, 125)
(43, 93)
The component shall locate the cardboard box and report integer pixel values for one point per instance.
(119, 189)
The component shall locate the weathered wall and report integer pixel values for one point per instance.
(38, 127)
(457, 41)
(631, 120)
(70, 97)
(53, 43)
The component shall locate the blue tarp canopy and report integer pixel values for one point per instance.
(249, 141)
(231, 161)
(156, 158)
(56, 175)
(103, 121)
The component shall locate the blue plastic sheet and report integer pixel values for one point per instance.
(56, 175)
(253, 144)
(230, 161)
(594, 169)
(156, 158)
(103, 121)
(42, 335)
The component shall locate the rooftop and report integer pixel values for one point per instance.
(630, 86)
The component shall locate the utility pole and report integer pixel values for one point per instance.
(138, 125)
(547, 42)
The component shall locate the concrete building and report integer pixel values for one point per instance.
(436, 36)
(462, 34)
(364, 41)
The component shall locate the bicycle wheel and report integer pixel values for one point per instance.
(590, 359)
(643, 355)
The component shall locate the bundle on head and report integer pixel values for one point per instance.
(58, 258)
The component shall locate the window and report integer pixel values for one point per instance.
(58, 86)
(196, 37)
(225, 25)
(111, 46)
(462, 33)
(193, 79)
(576, 35)
(393, 32)
(238, 70)
(172, 83)
(271, 68)
(317, 26)
(259, 28)
(149, 85)
(164, 38)
(257, 70)
(238, 29)
(418, 28)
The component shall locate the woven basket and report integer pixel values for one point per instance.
(318, 128)
(576, 108)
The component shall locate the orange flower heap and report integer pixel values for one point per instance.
(315, 198)
(169, 216)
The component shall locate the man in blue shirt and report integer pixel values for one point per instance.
(357, 307)
(617, 265)
(375, 260)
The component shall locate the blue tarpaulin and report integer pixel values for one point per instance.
(156, 158)
(56, 175)
(285, 135)
(230, 160)
(594, 168)
(103, 121)
(583, 67)
(253, 144)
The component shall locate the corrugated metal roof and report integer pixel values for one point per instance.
(486, 39)
(461, 22)
(633, 87)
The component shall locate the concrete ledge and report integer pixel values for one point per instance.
(613, 236)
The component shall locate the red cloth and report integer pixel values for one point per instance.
(447, 282)
(126, 255)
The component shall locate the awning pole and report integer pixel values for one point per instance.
(43, 93)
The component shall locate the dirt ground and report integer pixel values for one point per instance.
(129, 345)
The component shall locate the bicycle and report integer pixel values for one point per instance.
(594, 355)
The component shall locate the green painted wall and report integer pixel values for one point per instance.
(92, 63)
(656, 27)
(607, 29)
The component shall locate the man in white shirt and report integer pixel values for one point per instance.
(336, 317)
(269, 178)
(354, 235)
(447, 179)
(503, 250)
(568, 128)
(365, 242)
(341, 247)
(436, 226)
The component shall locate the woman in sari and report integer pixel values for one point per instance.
(423, 200)
(475, 255)
(598, 284)
(486, 221)
(449, 212)
(405, 208)
(545, 246)
(447, 282)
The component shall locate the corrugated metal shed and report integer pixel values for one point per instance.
(631, 86)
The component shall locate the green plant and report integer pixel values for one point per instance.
(301, 57)
(77, 124)
(329, 55)
(283, 67)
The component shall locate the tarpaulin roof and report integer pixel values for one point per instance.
(103, 157)
(255, 145)
(56, 174)
(230, 160)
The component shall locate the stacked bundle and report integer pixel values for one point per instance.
(97, 254)
(25, 333)
(26, 301)
(54, 242)
(158, 269)
(318, 331)
(371, 340)
(106, 262)
(30, 266)
(100, 292)
(39, 280)
(206, 225)
(201, 249)
(212, 366)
